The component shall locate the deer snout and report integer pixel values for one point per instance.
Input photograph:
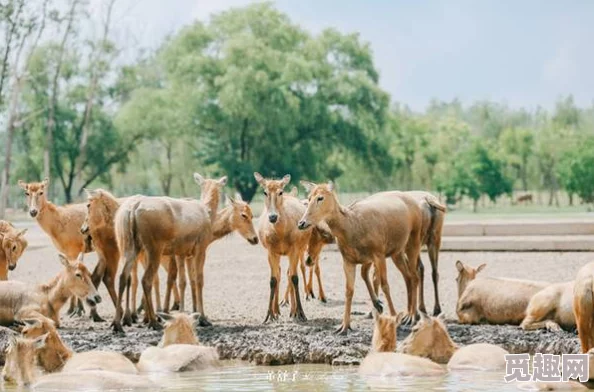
(33, 212)
(11, 266)
(84, 229)
(302, 225)
(93, 300)
(253, 240)
(272, 218)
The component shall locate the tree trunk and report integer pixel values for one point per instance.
(247, 192)
(12, 118)
(570, 198)
(474, 205)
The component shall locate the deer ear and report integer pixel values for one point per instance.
(259, 178)
(294, 191)
(459, 266)
(480, 267)
(198, 178)
(64, 260)
(309, 186)
(23, 185)
(330, 186)
(45, 182)
(238, 197)
(231, 201)
(222, 181)
(40, 341)
(31, 322)
(165, 316)
(286, 179)
(21, 233)
(195, 316)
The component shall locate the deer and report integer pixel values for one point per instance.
(12, 246)
(383, 361)
(551, 308)
(493, 300)
(320, 237)
(525, 199)
(56, 356)
(280, 236)
(62, 224)
(433, 219)
(430, 339)
(179, 328)
(21, 361)
(149, 224)
(583, 306)
(386, 224)
(19, 300)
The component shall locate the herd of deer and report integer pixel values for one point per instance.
(176, 233)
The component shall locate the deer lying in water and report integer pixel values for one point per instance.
(386, 224)
(551, 308)
(280, 236)
(493, 300)
(21, 367)
(430, 339)
(62, 224)
(12, 246)
(383, 361)
(178, 350)
(148, 225)
(56, 356)
(19, 300)
(583, 306)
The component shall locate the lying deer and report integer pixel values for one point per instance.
(280, 236)
(382, 361)
(19, 300)
(56, 356)
(583, 306)
(493, 300)
(386, 224)
(178, 350)
(62, 225)
(21, 367)
(551, 308)
(12, 246)
(430, 339)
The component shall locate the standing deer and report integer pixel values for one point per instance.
(386, 224)
(150, 224)
(279, 235)
(62, 224)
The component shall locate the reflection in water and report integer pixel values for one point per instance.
(237, 377)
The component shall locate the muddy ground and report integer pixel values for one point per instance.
(236, 294)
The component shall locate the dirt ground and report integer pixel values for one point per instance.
(236, 296)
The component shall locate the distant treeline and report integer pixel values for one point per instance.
(253, 91)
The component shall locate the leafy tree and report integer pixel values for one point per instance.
(576, 170)
(517, 145)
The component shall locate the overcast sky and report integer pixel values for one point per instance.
(525, 52)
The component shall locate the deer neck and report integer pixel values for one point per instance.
(339, 221)
(53, 357)
(58, 295)
(211, 200)
(445, 351)
(222, 223)
(47, 217)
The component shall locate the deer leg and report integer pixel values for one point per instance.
(181, 281)
(433, 250)
(129, 261)
(298, 313)
(303, 274)
(288, 291)
(203, 321)
(171, 274)
(273, 310)
(157, 290)
(401, 262)
(372, 294)
(96, 278)
(309, 283)
(131, 310)
(153, 256)
(193, 289)
(382, 271)
(412, 252)
(350, 271)
(127, 321)
(421, 272)
(321, 293)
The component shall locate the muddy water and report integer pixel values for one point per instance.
(237, 376)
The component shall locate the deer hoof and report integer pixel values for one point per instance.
(155, 325)
(378, 306)
(127, 321)
(96, 318)
(436, 311)
(284, 303)
(175, 306)
(203, 322)
(117, 328)
(343, 330)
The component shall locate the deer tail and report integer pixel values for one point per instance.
(125, 227)
(584, 311)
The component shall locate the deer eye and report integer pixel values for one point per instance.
(265, 193)
(27, 194)
(244, 216)
(14, 248)
(79, 275)
(320, 198)
(40, 193)
(280, 193)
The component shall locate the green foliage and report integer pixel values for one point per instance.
(576, 170)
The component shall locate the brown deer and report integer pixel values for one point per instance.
(279, 235)
(179, 329)
(583, 306)
(20, 362)
(12, 246)
(551, 308)
(19, 300)
(386, 224)
(384, 362)
(524, 199)
(62, 224)
(177, 358)
(56, 356)
(320, 237)
(493, 300)
(429, 338)
(150, 224)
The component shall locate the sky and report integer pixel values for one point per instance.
(524, 53)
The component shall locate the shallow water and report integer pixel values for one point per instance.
(237, 377)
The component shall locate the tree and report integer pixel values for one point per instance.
(517, 145)
(576, 170)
